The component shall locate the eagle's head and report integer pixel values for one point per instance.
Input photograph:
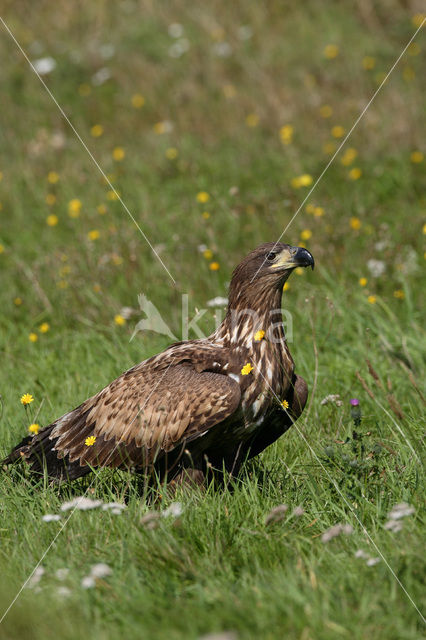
(270, 264)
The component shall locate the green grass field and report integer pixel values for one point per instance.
(239, 102)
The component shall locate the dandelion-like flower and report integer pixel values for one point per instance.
(74, 208)
(94, 234)
(259, 335)
(285, 404)
(399, 294)
(338, 131)
(248, 368)
(331, 51)
(52, 177)
(44, 327)
(214, 266)
(34, 428)
(372, 299)
(119, 320)
(203, 197)
(27, 398)
(208, 254)
(286, 134)
(97, 130)
(355, 223)
(355, 173)
(416, 157)
(101, 208)
(32, 337)
(90, 441)
(326, 111)
(138, 101)
(118, 154)
(52, 220)
(171, 153)
(368, 63)
(252, 120)
(363, 282)
(306, 234)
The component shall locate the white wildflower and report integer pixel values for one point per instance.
(114, 507)
(51, 517)
(88, 582)
(175, 30)
(360, 553)
(175, 510)
(219, 301)
(401, 510)
(298, 512)
(43, 66)
(276, 514)
(336, 530)
(64, 592)
(376, 267)
(101, 76)
(333, 398)
(61, 574)
(107, 51)
(178, 48)
(394, 525)
(35, 578)
(222, 49)
(372, 561)
(82, 504)
(245, 32)
(100, 570)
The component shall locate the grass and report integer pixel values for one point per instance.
(218, 567)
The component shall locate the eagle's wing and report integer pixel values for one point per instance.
(141, 415)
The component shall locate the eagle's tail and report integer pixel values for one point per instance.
(39, 452)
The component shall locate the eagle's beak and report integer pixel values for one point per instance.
(295, 257)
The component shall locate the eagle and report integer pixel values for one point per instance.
(199, 407)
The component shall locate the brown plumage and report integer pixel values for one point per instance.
(191, 408)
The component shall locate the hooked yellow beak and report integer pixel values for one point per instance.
(294, 257)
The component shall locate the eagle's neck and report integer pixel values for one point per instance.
(251, 311)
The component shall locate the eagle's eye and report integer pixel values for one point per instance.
(271, 256)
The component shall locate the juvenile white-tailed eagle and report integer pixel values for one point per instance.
(198, 405)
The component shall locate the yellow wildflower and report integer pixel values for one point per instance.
(252, 120)
(97, 130)
(416, 157)
(171, 153)
(368, 63)
(17, 301)
(50, 199)
(299, 271)
(74, 208)
(32, 337)
(399, 294)
(408, 74)
(93, 235)
(355, 223)
(113, 194)
(337, 131)
(84, 89)
(208, 254)
(414, 49)
(286, 134)
(90, 441)
(259, 335)
(52, 177)
(138, 101)
(52, 220)
(355, 173)
(306, 234)
(27, 398)
(214, 266)
(101, 208)
(286, 286)
(318, 212)
(34, 428)
(329, 148)
(62, 284)
(349, 156)
(302, 181)
(96, 288)
(326, 111)
(248, 368)
(285, 404)
(363, 282)
(205, 215)
(44, 327)
(418, 19)
(372, 299)
(119, 320)
(331, 51)
(310, 208)
(118, 154)
(203, 197)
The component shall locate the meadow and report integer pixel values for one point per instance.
(203, 129)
